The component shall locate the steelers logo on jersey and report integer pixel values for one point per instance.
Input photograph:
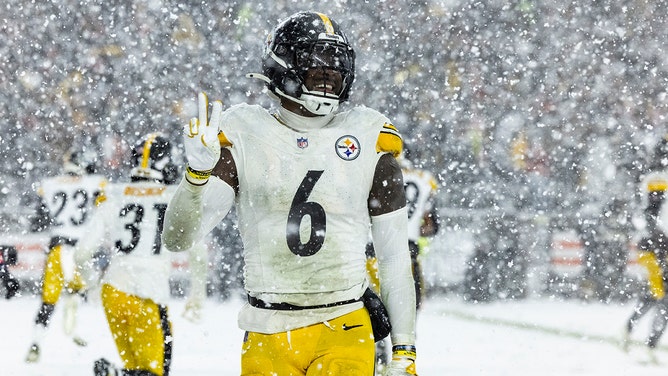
(347, 147)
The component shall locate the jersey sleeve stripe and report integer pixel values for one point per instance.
(387, 127)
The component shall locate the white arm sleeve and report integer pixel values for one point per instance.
(187, 221)
(198, 263)
(390, 239)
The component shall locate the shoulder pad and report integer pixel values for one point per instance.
(389, 140)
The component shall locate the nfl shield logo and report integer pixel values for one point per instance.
(302, 142)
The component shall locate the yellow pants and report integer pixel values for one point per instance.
(54, 279)
(141, 330)
(343, 346)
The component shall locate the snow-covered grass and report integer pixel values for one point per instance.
(536, 336)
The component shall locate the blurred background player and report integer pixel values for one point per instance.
(8, 257)
(653, 297)
(653, 253)
(135, 286)
(66, 208)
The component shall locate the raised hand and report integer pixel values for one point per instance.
(201, 142)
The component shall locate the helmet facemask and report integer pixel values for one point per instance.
(330, 63)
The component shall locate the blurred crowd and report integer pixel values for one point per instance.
(529, 108)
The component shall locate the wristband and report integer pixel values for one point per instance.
(404, 350)
(196, 177)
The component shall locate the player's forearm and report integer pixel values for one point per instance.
(187, 220)
(183, 217)
(390, 239)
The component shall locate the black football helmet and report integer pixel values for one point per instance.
(304, 41)
(80, 161)
(152, 160)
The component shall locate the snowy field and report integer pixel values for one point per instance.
(538, 336)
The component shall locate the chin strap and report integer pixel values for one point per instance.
(315, 104)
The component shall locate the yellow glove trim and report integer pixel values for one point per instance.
(404, 354)
(404, 351)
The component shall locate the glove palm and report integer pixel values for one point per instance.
(200, 141)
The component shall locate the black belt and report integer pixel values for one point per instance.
(259, 303)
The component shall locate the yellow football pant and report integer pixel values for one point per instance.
(54, 280)
(342, 346)
(141, 330)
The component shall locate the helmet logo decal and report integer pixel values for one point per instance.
(302, 142)
(347, 147)
(329, 28)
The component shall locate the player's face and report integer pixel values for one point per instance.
(325, 80)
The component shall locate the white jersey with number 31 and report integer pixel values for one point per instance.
(140, 265)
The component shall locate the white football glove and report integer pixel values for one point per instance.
(200, 140)
(403, 361)
(193, 310)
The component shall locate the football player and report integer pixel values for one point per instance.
(308, 181)
(8, 257)
(67, 202)
(135, 286)
(653, 255)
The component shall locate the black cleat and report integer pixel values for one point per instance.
(103, 367)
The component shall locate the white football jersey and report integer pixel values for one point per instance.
(420, 187)
(140, 265)
(70, 200)
(302, 202)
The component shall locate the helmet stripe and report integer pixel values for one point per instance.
(329, 28)
(147, 150)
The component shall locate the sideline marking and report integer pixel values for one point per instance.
(543, 329)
